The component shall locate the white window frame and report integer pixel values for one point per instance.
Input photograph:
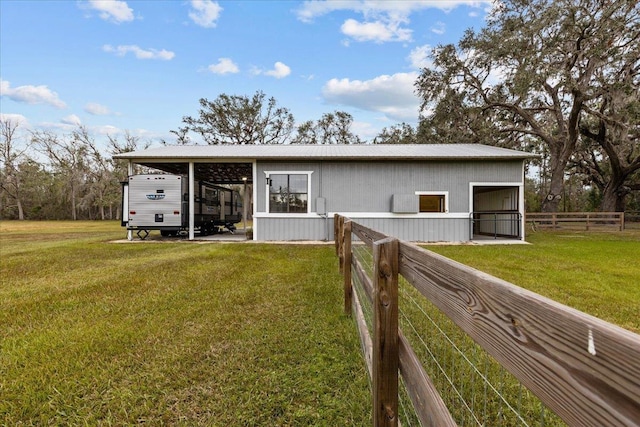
(434, 193)
(267, 194)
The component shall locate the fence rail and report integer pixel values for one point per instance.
(587, 371)
(588, 220)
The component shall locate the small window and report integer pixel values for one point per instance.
(433, 203)
(288, 193)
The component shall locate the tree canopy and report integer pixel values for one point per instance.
(239, 120)
(545, 73)
(331, 128)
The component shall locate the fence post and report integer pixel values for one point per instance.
(341, 243)
(621, 221)
(336, 232)
(347, 267)
(385, 337)
(588, 222)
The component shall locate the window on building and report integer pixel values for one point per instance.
(433, 203)
(288, 193)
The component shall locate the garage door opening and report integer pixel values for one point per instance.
(495, 213)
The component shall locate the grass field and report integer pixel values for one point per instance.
(102, 333)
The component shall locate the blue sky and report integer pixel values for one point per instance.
(141, 65)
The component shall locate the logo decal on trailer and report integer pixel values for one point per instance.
(155, 196)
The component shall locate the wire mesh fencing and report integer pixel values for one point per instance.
(473, 350)
(477, 390)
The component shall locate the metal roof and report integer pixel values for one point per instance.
(326, 152)
(232, 164)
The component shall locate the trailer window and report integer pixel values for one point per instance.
(288, 193)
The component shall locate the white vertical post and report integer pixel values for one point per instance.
(129, 173)
(254, 198)
(521, 206)
(244, 204)
(192, 205)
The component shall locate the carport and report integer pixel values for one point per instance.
(218, 171)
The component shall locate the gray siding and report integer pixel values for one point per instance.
(421, 229)
(369, 186)
(409, 229)
(270, 229)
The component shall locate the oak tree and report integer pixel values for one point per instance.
(239, 120)
(533, 72)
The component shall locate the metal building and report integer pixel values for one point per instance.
(423, 193)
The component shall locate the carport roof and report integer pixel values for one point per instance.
(324, 152)
(232, 164)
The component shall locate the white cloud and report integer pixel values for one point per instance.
(438, 28)
(279, 71)
(312, 9)
(205, 13)
(224, 66)
(377, 31)
(97, 109)
(140, 53)
(383, 20)
(71, 119)
(111, 10)
(107, 130)
(365, 130)
(392, 95)
(31, 94)
(16, 119)
(420, 57)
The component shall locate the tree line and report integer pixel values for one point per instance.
(559, 79)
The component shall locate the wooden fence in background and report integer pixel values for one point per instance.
(576, 220)
(584, 369)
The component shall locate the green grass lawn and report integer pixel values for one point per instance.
(101, 333)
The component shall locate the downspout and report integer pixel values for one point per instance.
(326, 214)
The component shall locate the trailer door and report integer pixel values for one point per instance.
(125, 203)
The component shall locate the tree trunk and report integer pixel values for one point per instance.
(613, 197)
(73, 204)
(556, 183)
(20, 210)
